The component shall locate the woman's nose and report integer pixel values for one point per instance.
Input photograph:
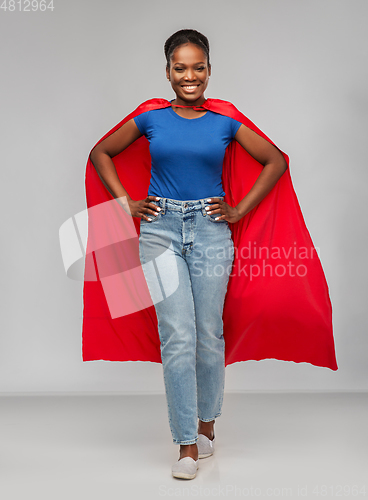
(190, 75)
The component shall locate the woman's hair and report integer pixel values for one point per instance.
(184, 36)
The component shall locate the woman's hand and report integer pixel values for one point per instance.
(142, 208)
(224, 211)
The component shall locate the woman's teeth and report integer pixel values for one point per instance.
(189, 88)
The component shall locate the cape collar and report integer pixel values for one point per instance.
(216, 105)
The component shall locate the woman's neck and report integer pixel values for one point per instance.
(182, 104)
(192, 111)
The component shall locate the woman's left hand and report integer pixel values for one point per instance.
(223, 210)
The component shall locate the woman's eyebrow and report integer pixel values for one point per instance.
(201, 62)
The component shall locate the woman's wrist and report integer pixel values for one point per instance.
(243, 207)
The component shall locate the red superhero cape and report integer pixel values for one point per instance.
(277, 303)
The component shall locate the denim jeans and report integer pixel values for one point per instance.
(186, 258)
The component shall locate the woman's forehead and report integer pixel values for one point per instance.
(188, 51)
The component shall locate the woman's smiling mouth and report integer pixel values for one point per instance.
(189, 88)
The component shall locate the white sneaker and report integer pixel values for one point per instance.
(206, 447)
(185, 468)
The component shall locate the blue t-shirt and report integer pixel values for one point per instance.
(187, 154)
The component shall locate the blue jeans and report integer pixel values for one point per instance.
(187, 258)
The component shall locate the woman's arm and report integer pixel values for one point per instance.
(274, 166)
(102, 153)
(101, 158)
(272, 160)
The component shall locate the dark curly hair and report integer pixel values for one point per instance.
(184, 36)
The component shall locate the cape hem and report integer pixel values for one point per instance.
(227, 364)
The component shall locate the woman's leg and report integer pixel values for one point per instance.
(210, 263)
(163, 265)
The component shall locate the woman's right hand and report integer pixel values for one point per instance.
(143, 208)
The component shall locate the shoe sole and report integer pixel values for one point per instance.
(183, 475)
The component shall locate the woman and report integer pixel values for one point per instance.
(185, 219)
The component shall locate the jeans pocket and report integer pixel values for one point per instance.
(152, 217)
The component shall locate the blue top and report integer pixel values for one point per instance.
(187, 154)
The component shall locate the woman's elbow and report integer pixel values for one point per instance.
(92, 155)
(283, 165)
(280, 163)
(95, 154)
(278, 166)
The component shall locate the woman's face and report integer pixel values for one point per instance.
(189, 73)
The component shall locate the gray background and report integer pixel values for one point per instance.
(297, 69)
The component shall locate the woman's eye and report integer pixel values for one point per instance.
(198, 69)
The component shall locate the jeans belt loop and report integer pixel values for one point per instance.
(163, 205)
(203, 206)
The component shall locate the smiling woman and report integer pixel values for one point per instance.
(205, 181)
(188, 70)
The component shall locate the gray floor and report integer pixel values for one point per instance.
(269, 445)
